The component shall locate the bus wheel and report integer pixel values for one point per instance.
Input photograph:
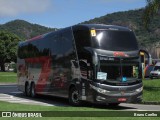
(74, 97)
(113, 104)
(27, 89)
(32, 90)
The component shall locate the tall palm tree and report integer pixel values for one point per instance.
(152, 8)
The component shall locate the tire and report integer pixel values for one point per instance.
(74, 97)
(32, 90)
(27, 89)
(113, 104)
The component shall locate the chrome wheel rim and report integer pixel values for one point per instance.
(75, 97)
(28, 89)
(33, 90)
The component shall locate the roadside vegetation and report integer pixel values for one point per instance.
(8, 77)
(151, 90)
(11, 107)
(5, 106)
(8, 46)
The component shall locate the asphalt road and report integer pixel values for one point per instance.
(10, 93)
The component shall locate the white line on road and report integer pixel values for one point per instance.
(13, 99)
(8, 86)
(16, 92)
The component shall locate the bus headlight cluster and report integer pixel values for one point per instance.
(100, 90)
(139, 89)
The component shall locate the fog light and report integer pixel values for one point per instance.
(100, 90)
(99, 98)
(139, 89)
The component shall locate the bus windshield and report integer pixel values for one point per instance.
(115, 40)
(118, 69)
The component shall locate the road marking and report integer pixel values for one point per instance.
(4, 95)
(7, 86)
(8, 75)
(142, 110)
(16, 92)
(13, 99)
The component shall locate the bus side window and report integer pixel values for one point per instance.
(67, 48)
(82, 39)
(55, 45)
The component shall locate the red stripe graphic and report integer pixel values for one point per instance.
(45, 71)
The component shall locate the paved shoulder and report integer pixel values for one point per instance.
(142, 107)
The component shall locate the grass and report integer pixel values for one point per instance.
(88, 118)
(151, 90)
(5, 106)
(8, 77)
(21, 107)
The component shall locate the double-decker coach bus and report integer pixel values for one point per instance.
(88, 62)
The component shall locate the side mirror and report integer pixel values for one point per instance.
(95, 58)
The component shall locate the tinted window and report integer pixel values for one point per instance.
(67, 42)
(55, 44)
(44, 46)
(115, 40)
(23, 50)
(82, 39)
(33, 49)
(62, 48)
(157, 68)
(61, 43)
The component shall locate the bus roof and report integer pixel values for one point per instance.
(101, 26)
(81, 26)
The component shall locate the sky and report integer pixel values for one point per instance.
(62, 13)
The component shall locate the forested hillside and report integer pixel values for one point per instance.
(24, 29)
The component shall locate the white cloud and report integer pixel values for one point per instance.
(16, 7)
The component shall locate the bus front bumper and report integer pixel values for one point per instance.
(99, 98)
(117, 96)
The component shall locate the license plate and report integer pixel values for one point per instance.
(122, 99)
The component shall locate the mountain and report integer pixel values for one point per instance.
(24, 29)
(131, 19)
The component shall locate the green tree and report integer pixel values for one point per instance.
(8, 48)
(152, 8)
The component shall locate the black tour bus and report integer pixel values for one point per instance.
(87, 62)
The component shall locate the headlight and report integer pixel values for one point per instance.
(139, 89)
(100, 90)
